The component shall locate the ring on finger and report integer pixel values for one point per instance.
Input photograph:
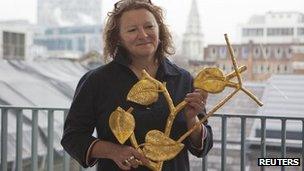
(131, 158)
(126, 162)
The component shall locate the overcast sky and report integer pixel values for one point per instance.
(217, 16)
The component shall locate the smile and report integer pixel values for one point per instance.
(146, 43)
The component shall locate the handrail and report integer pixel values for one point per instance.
(244, 140)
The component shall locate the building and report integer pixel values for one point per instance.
(70, 41)
(262, 60)
(274, 27)
(69, 29)
(15, 39)
(59, 13)
(192, 45)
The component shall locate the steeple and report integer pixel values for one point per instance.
(193, 47)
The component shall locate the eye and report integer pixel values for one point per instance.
(150, 26)
(131, 30)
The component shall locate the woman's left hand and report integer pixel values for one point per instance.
(196, 103)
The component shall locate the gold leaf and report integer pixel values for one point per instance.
(122, 124)
(144, 92)
(159, 147)
(211, 80)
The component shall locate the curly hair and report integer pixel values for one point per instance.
(111, 30)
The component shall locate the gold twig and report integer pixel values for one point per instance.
(233, 60)
(167, 97)
(252, 96)
(132, 137)
(231, 84)
(211, 112)
(172, 116)
(233, 74)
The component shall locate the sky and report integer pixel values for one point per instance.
(217, 16)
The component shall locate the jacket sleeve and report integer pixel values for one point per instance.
(208, 141)
(81, 120)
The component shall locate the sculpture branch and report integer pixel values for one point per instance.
(172, 116)
(184, 136)
(233, 60)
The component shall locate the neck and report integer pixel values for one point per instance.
(144, 61)
(149, 64)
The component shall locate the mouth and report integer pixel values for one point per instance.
(145, 43)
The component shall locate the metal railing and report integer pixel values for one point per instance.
(66, 159)
(243, 118)
(34, 138)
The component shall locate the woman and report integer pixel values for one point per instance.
(136, 38)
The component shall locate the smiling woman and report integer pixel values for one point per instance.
(136, 38)
(139, 35)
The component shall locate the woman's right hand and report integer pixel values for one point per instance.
(126, 157)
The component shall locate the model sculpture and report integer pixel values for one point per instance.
(158, 146)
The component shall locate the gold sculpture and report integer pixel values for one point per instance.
(158, 146)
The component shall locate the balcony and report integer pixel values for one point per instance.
(30, 141)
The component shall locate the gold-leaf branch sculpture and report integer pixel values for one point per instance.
(158, 146)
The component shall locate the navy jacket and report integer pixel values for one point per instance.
(102, 90)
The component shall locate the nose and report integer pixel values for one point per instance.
(142, 33)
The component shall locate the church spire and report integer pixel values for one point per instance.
(193, 38)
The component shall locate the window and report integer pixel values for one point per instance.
(288, 52)
(279, 31)
(266, 52)
(278, 52)
(262, 68)
(278, 69)
(300, 31)
(223, 52)
(285, 68)
(213, 52)
(245, 52)
(256, 52)
(13, 45)
(252, 32)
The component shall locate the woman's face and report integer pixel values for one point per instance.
(139, 32)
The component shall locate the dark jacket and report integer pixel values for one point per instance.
(101, 91)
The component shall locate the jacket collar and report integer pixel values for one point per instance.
(166, 65)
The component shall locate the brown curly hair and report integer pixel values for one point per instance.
(111, 30)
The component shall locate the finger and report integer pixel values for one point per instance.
(134, 163)
(203, 93)
(193, 99)
(140, 157)
(123, 165)
(195, 94)
(196, 106)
